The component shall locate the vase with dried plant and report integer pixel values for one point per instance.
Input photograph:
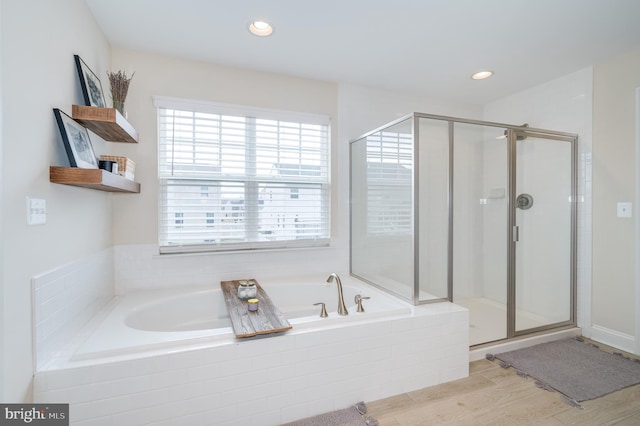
(119, 83)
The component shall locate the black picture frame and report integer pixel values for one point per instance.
(90, 83)
(76, 141)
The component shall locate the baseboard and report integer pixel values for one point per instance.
(623, 341)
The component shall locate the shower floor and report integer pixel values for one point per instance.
(488, 320)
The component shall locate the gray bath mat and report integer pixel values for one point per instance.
(352, 416)
(578, 370)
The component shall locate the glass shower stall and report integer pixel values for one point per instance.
(481, 214)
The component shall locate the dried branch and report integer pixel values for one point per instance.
(119, 83)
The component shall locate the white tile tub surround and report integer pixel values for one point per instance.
(271, 380)
(65, 299)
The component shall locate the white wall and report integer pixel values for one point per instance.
(565, 105)
(615, 283)
(39, 39)
(363, 109)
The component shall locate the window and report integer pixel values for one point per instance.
(241, 178)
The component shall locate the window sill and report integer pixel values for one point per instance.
(241, 251)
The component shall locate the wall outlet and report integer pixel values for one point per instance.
(36, 211)
(625, 210)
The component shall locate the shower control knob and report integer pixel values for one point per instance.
(524, 201)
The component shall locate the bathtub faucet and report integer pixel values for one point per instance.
(342, 309)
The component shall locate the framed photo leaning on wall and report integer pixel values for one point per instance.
(76, 141)
(91, 85)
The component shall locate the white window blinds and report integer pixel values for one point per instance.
(389, 183)
(233, 178)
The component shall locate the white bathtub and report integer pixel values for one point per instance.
(169, 357)
(171, 318)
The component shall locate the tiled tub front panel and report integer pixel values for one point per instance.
(267, 381)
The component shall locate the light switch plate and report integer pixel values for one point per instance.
(36, 211)
(625, 209)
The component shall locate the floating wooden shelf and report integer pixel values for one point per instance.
(92, 178)
(107, 123)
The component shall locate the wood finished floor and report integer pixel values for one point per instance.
(493, 395)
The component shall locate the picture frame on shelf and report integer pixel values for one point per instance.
(76, 141)
(90, 84)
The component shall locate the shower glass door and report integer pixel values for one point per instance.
(513, 230)
(542, 232)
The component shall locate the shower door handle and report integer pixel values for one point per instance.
(516, 234)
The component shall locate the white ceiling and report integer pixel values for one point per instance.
(426, 46)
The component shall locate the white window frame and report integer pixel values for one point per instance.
(241, 111)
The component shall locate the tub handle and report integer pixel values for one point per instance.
(358, 300)
(323, 310)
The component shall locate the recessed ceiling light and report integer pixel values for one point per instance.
(261, 28)
(481, 75)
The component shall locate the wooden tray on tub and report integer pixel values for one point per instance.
(267, 319)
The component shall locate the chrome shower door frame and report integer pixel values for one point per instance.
(512, 135)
